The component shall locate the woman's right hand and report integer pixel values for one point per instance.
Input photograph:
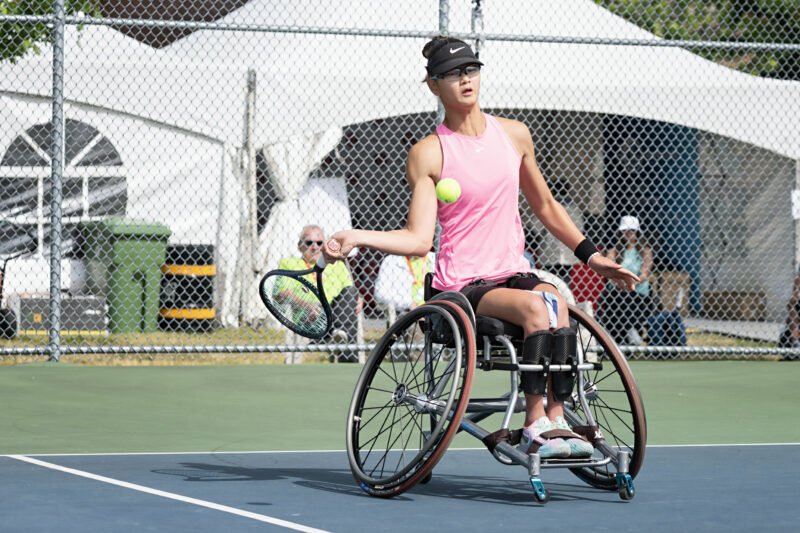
(345, 240)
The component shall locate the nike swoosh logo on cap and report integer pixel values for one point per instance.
(456, 50)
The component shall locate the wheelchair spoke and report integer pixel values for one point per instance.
(379, 389)
(608, 427)
(371, 442)
(365, 423)
(414, 418)
(390, 442)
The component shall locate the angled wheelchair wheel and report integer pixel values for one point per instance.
(613, 399)
(410, 397)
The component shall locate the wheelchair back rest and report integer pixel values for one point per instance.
(440, 331)
(427, 289)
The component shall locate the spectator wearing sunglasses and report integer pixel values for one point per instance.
(337, 282)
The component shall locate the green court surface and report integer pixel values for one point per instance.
(59, 408)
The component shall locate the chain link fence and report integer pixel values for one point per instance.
(157, 158)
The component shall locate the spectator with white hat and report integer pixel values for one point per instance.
(623, 313)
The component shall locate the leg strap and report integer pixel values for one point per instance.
(589, 433)
(565, 350)
(514, 436)
(536, 350)
(511, 437)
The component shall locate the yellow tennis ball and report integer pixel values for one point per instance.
(448, 190)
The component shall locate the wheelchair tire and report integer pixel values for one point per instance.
(614, 401)
(409, 400)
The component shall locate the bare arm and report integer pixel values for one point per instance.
(793, 320)
(795, 292)
(647, 263)
(423, 166)
(550, 212)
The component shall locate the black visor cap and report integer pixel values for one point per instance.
(452, 55)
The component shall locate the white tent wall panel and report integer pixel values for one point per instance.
(179, 178)
(746, 222)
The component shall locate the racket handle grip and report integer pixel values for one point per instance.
(332, 245)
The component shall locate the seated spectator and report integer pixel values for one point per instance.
(623, 313)
(337, 282)
(790, 336)
(401, 281)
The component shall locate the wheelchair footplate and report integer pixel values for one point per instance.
(502, 445)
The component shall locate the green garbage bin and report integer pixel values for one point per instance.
(123, 263)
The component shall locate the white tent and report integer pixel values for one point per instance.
(186, 104)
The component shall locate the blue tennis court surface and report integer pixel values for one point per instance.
(687, 488)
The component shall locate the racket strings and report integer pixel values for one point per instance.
(296, 302)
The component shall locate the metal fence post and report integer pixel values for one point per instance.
(444, 24)
(57, 168)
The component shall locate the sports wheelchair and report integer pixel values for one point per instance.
(413, 396)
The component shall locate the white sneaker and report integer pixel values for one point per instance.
(339, 336)
(533, 442)
(634, 337)
(578, 448)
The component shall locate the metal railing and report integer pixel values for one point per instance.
(144, 144)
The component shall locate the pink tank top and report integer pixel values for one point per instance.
(481, 232)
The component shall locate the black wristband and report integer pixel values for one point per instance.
(585, 250)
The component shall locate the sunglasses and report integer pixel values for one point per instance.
(309, 243)
(452, 75)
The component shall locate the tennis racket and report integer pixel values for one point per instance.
(297, 299)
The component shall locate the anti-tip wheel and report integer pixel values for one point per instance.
(541, 494)
(625, 487)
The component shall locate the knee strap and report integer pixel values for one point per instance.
(565, 352)
(536, 350)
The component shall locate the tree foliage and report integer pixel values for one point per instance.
(764, 21)
(18, 38)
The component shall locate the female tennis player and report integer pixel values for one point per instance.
(482, 240)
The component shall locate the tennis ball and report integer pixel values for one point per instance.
(448, 190)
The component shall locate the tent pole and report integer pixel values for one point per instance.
(250, 237)
(251, 160)
(56, 181)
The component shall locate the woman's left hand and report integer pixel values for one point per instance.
(621, 277)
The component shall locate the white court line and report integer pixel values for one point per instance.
(252, 452)
(719, 445)
(256, 452)
(172, 496)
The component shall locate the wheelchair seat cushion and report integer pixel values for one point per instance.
(491, 327)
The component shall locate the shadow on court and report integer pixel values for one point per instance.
(695, 488)
(487, 489)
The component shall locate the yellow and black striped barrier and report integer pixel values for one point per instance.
(187, 288)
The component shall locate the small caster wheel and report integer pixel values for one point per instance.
(541, 494)
(426, 479)
(625, 486)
